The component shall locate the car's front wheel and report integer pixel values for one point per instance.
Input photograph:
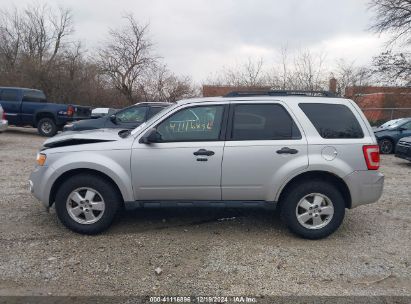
(87, 203)
(313, 209)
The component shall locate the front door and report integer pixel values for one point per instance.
(186, 163)
(263, 146)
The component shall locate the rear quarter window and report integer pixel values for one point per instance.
(332, 120)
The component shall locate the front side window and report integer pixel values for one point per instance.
(202, 123)
(406, 126)
(133, 114)
(332, 120)
(9, 95)
(263, 122)
(153, 111)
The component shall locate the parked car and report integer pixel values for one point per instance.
(3, 121)
(128, 118)
(311, 157)
(388, 137)
(29, 107)
(386, 124)
(100, 112)
(403, 149)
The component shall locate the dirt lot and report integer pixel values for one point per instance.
(249, 253)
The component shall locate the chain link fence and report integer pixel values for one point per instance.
(378, 116)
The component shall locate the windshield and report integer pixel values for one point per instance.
(390, 122)
(159, 114)
(397, 123)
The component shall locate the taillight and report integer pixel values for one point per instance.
(70, 111)
(3, 117)
(372, 156)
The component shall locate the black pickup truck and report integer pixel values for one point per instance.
(29, 107)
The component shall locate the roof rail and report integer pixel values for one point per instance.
(281, 93)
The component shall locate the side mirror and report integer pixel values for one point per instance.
(113, 119)
(402, 129)
(151, 136)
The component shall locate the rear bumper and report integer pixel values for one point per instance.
(365, 187)
(3, 125)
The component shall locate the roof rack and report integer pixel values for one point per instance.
(281, 93)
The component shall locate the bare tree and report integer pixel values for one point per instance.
(308, 73)
(11, 38)
(250, 73)
(348, 74)
(161, 84)
(126, 57)
(393, 16)
(393, 68)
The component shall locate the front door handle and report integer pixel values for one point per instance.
(287, 150)
(204, 152)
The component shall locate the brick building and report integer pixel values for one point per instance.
(396, 101)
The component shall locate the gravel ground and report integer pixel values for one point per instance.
(249, 253)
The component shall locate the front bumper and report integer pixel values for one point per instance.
(3, 125)
(365, 187)
(38, 185)
(403, 150)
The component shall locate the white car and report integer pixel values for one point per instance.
(3, 122)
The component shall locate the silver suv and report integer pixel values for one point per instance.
(310, 156)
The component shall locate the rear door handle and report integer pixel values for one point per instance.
(204, 152)
(287, 150)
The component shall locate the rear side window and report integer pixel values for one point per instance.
(9, 95)
(332, 120)
(263, 122)
(34, 96)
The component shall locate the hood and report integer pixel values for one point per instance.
(379, 129)
(70, 138)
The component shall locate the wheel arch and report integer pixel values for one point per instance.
(68, 174)
(39, 115)
(322, 175)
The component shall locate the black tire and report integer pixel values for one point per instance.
(110, 196)
(47, 127)
(297, 192)
(386, 146)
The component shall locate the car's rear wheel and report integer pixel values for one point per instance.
(386, 146)
(47, 127)
(87, 203)
(313, 209)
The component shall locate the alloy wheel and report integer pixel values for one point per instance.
(85, 205)
(314, 211)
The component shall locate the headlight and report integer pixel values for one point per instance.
(68, 127)
(41, 159)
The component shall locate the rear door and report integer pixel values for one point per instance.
(10, 100)
(263, 146)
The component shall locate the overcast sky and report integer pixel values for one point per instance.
(199, 37)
